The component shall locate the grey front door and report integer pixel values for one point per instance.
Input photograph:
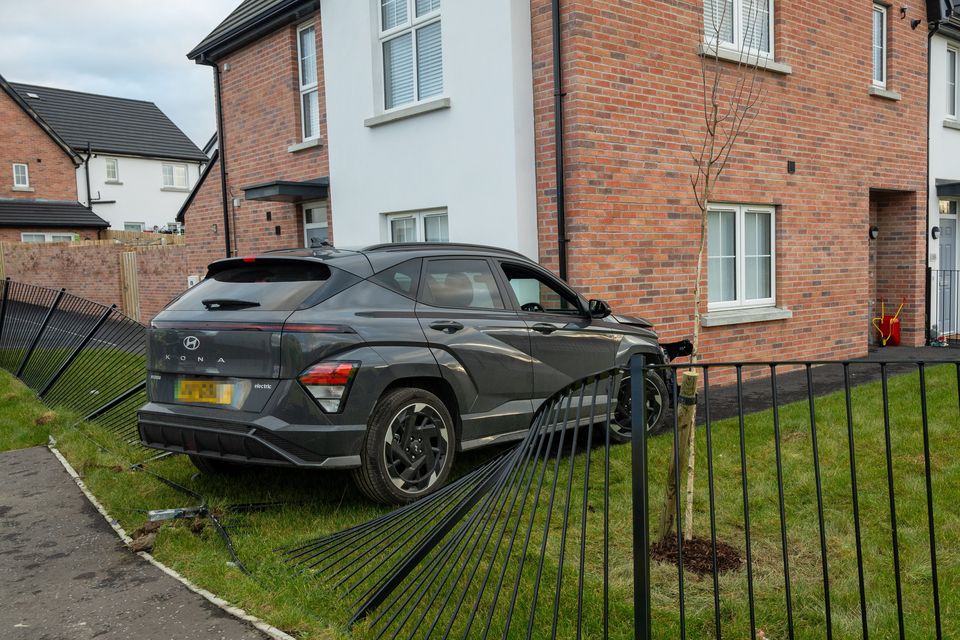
(947, 296)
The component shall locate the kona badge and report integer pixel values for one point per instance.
(191, 343)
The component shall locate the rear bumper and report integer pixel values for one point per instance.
(182, 430)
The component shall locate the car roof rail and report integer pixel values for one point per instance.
(432, 246)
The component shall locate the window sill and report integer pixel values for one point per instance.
(176, 189)
(116, 182)
(952, 124)
(407, 112)
(749, 59)
(24, 189)
(744, 316)
(306, 144)
(887, 94)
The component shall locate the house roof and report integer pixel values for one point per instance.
(47, 213)
(7, 88)
(249, 21)
(109, 124)
(181, 215)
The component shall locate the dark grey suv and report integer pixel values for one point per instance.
(386, 361)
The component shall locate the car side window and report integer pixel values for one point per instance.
(536, 294)
(460, 284)
(403, 278)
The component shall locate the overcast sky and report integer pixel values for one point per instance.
(129, 48)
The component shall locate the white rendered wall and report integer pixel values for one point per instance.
(476, 158)
(944, 141)
(139, 195)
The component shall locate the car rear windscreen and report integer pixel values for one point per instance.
(261, 286)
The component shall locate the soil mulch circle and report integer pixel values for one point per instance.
(698, 555)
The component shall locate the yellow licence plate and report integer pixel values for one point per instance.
(204, 391)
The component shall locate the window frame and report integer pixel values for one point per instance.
(47, 237)
(142, 225)
(882, 10)
(314, 225)
(308, 88)
(116, 170)
(26, 175)
(413, 24)
(955, 52)
(420, 217)
(712, 39)
(740, 259)
(173, 175)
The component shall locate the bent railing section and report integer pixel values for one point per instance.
(75, 353)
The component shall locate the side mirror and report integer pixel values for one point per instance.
(599, 309)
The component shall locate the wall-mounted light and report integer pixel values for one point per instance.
(213, 228)
(903, 12)
(935, 233)
(874, 232)
(916, 22)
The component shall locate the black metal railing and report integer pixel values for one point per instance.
(944, 306)
(824, 491)
(76, 354)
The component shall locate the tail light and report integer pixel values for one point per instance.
(329, 382)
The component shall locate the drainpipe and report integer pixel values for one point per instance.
(558, 142)
(222, 153)
(928, 306)
(86, 170)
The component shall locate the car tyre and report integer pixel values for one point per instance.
(408, 449)
(658, 405)
(215, 466)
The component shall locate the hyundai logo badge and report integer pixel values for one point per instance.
(191, 343)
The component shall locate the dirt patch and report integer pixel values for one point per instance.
(698, 555)
(46, 418)
(144, 537)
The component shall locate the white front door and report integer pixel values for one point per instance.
(315, 229)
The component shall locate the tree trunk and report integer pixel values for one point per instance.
(686, 414)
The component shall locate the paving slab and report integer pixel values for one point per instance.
(65, 575)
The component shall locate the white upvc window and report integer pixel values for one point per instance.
(953, 82)
(742, 25)
(879, 45)
(46, 237)
(309, 86)
(741, 266)
(411, 51)
(21, 176)
(112, 169)
(134, 226)
(315, 228)
(175, 176)
(418, 226)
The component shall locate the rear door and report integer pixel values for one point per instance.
(481, 344)
(565, 344)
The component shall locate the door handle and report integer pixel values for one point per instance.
(446, 326)
(544, 328)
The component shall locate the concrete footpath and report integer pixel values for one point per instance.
(64, 573)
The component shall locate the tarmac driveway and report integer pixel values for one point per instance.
(64, 574)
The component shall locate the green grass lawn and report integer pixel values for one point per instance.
(320, 503)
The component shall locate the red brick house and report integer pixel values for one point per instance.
(38, 185)
(395, 120)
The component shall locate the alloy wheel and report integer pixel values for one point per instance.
(415, 448)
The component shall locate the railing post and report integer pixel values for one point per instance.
(120, 399)
(3, 306)
(641, 500)
(76, 352)
(43, 327)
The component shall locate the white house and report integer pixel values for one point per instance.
(944, 252)
(138, 167)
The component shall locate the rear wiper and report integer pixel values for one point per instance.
(228, 303)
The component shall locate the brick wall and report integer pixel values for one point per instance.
(261, 114)
(93, 272)
(632, 84)
(52, 172)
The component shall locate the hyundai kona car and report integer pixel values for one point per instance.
(387, 361)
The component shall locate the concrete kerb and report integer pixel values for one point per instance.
(237, 612)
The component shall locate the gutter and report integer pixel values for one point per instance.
(933, 29)
(558, 95)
